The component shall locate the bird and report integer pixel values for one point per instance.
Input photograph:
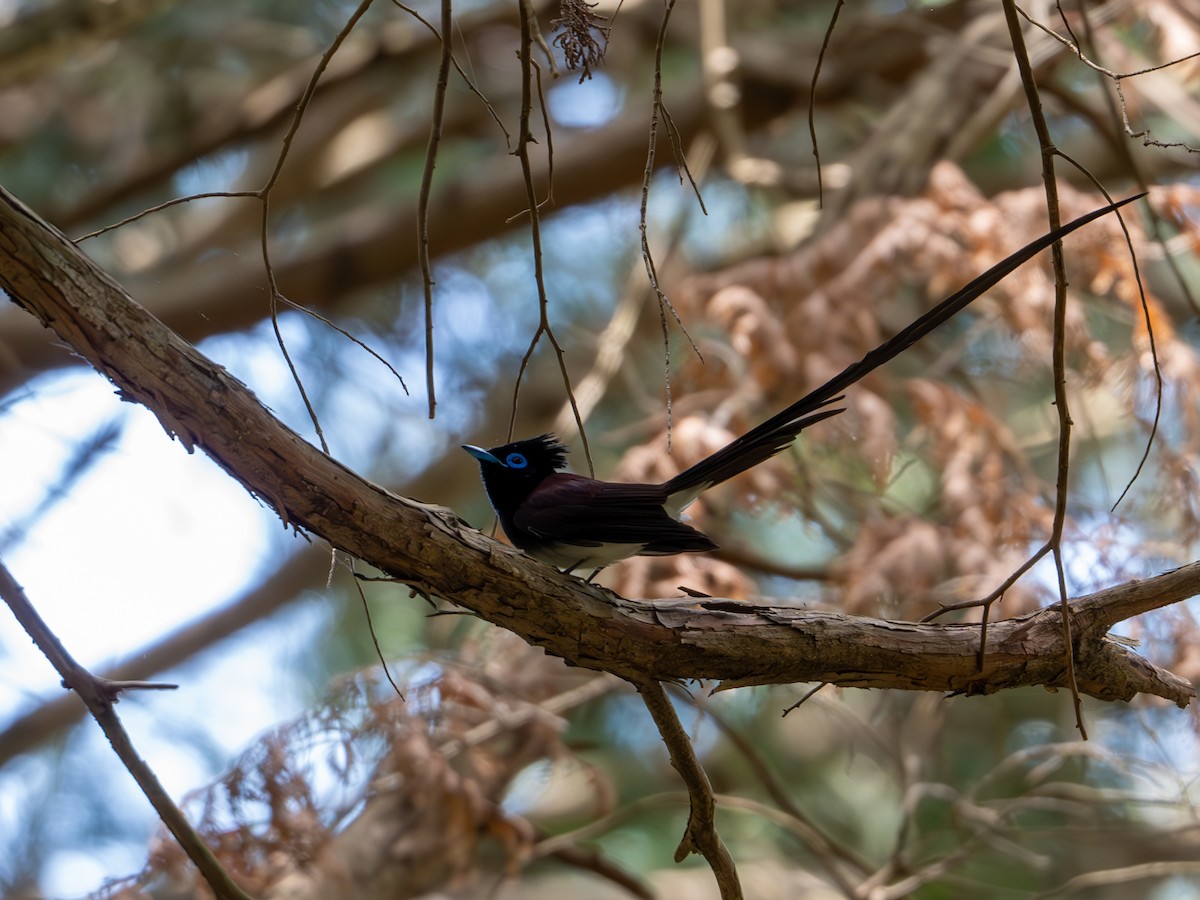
(574, 522)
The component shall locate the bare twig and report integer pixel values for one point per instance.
(99, 695)
(524, 139)
(986, 602)
(387, 672)
(431, 151)
(1117, 78)
(664, 302)
(588, 860)
(467, 79)
(610, 346)
(1061, 403)
(325, 320)
(1183, 282)
(264, 194)
(175, 201)
(812, 97)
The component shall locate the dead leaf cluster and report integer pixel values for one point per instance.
(965, 414)
(374, 795)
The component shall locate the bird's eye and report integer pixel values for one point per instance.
(516, 461)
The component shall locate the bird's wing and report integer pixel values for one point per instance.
(572, 509)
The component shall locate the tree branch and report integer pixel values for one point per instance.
(700, 836)
(304, 569)
(431, 549)
(99, 695)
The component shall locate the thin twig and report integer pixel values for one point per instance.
(610, 346)
(986, 602)
(808, 695)
(664, 302)
(524, 139)
(276, 295)
(589, 860)
(325, 320)
(547, 131)
(812, 98)
(1060, 340)
(431, 152)
(264, 194)
(467, 79)
(99, 695)
(1147, 318)
(629, 812)
(166, 205)
(1117, 78)
(375, 638)
(1134, 164)
(43, 722)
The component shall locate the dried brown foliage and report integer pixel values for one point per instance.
(972, 426)
(382, 796)
(582, 37)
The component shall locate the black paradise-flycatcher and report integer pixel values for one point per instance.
(574, 522)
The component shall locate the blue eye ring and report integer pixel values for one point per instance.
(516, 461)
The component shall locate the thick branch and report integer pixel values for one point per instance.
(430, 548)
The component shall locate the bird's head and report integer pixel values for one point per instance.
(533, 458)
(511, 471)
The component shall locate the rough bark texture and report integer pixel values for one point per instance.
(428, 547)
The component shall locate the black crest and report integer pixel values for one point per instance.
(545, 453)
